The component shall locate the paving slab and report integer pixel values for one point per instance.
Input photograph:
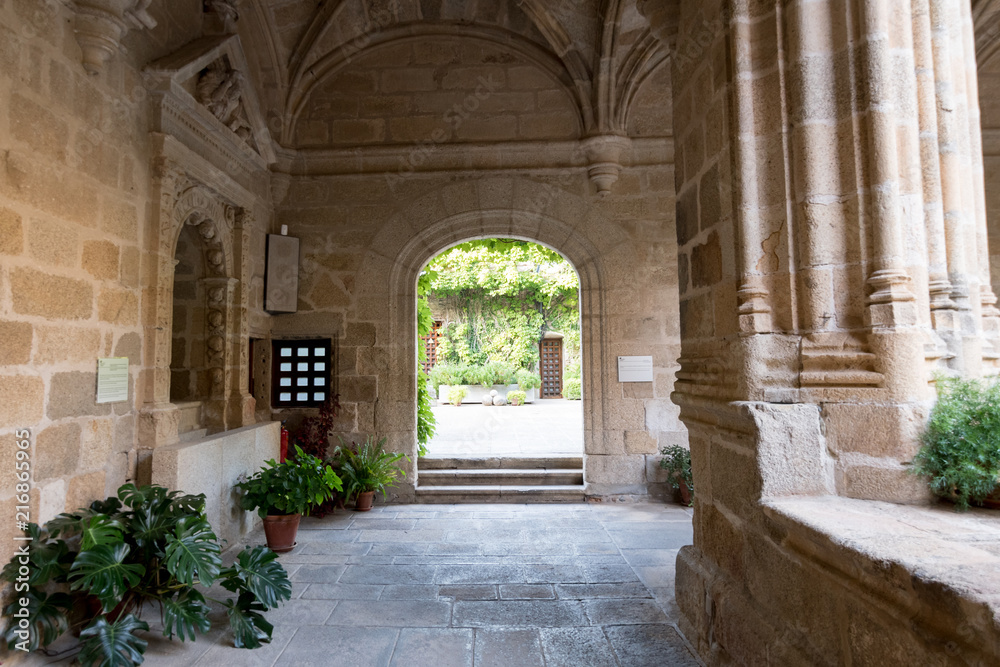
(581, 585)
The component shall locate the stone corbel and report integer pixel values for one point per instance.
(605, 155)
(101, 24)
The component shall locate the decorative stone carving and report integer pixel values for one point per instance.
(101, 24)
(662, 16)
(220, 89)
(605, 154)
(225, 12)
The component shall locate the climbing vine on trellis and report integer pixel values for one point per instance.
(502, 295)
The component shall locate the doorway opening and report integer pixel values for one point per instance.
(499, 327)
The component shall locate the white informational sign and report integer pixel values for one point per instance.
(635, 369)
(112, 380)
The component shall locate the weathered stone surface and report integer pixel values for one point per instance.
(17, 340)
(24, 400)
(57, 452)
(49, 296)
(84, 489)
(100, 259)
(11, 233)
(74, 394)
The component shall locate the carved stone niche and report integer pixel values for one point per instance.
(200, 97)
(100, 26)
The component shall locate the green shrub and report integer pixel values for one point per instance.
(527, 380)
(572, 371)
(294, 487)
(147, 544)
(677, 461)
(572, 389)
(960, 456)
(456, 394)
(447, 374)
(516, 397)
(368, 467)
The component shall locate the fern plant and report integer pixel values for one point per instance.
(960, 456)
(106, 561)
(368, 467)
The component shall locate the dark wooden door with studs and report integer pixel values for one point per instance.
(551, 354)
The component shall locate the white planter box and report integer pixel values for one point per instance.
(475, 393)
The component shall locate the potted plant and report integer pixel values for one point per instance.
(515, 397)
(282, 492)
(677, 462)
(92, 571)
(528, 382)
(367, 469)
(456, 394)
(960, 456)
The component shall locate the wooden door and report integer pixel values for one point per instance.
(430, 342)
(551, 354)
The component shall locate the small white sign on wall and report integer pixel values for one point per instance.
(635, 369)
(112, 380)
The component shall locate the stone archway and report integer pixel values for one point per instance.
(218, 226)
(622, 427)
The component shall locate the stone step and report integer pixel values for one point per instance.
(503, 477)
(507, 462)
(500, 494)
(193, 436)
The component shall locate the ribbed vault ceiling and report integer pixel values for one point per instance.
(601, 51)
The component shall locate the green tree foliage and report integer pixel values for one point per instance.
(960, 456)
(508, 293)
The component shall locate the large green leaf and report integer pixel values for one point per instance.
(46, 619)
(149, 525)
(100, 529)
(250, 628)
(261, 573)
(106, 644)
(185, 614)
(193, 551)
(101, 571)
(69, 524)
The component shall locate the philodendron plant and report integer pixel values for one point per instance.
(106, 561)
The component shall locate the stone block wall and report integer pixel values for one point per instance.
(437, 91)
(75, 231)
(365, 239)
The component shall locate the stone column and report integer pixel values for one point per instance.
(241, 404)
(819, 159)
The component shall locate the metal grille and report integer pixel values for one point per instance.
(300, 372)
(550, 353)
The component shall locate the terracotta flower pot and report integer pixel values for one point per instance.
(363, 502)
(685, 493)
(280, 531)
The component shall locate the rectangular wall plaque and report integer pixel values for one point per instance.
(635, 369)
(112, 380)
(281, 282)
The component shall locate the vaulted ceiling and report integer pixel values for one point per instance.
(600, 51)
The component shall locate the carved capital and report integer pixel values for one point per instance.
(101, 24)
(605, 153)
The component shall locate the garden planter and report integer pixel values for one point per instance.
(685, 493)
(280, 531)
(364, 501)
(475, 392)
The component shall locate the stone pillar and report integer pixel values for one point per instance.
(827, 217)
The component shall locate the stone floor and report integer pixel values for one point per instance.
(581, 585)
(542, 428)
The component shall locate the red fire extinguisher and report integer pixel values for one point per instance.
(284, 442)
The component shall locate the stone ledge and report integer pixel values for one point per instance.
(935, 569)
